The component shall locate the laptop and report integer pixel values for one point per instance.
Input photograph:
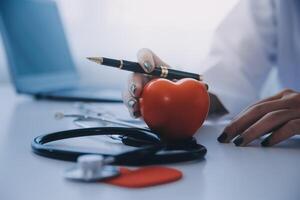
(38, 55)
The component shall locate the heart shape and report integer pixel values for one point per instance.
(175, 110)
(145, 176)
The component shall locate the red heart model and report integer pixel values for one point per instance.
(175, 110)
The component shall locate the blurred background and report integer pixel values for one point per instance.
(180, 32)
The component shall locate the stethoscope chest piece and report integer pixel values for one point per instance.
(91, 168)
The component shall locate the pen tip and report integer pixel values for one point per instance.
(98, 60)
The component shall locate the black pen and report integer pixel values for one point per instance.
(161, 71)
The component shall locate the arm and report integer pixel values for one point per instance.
(252, 53)
(242, 54)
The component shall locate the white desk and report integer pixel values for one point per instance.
(228, 172)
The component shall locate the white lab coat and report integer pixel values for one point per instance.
(255, 37)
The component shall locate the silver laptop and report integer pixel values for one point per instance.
(38, 55)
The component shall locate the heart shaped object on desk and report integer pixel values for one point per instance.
(175, 110)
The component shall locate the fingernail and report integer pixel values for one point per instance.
(131, 103)
(222, 137)
(265, 142)
(135, 114)
(238, 141)
(206, 85)
(147, 66)
(133, 89)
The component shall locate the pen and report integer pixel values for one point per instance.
(161, 71)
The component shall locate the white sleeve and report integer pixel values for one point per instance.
(242, 54)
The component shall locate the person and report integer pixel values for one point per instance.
(255, 37)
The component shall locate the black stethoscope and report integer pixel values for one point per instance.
(151, 149)
(93, 166)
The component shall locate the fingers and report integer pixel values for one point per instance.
(249, 117)
(136, 83)
(132, 104)
(286, 131)
(277, 113)
(148, 60)
(266, 124)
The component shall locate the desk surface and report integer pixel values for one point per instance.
(228, 172)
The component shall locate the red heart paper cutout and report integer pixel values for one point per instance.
(176, 110)
(145, 177)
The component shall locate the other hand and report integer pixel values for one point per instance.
(278, 115)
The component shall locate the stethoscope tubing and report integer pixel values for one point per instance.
(145, 155)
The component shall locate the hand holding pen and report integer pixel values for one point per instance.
(149, 66)
(149, 62)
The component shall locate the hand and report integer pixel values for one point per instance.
(148, 61)
(278, 115)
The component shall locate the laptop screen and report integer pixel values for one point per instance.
(35, 41)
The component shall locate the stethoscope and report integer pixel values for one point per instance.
(91, 166)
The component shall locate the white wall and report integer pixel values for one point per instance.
(179, 31)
